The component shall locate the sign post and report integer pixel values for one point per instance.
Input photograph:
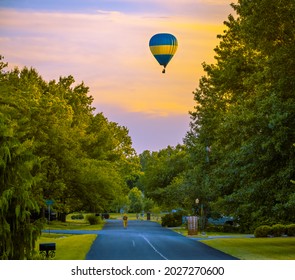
(49, 202)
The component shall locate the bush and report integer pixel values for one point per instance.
(290, 230)
(169, 221)
(172, 220)
(230, 228)
(93, 220)
(77, 217)
(278, 230)
(214, 228)
(263, 231)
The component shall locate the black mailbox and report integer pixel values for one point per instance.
(47, 249)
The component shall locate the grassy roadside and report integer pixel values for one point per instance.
(278, 248)
(73, 225)
(81, 224)
(68, 247)
(248, 248)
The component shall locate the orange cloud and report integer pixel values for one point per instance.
(109, 51)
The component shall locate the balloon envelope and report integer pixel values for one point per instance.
(163, 46)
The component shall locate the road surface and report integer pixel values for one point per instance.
(145, 240)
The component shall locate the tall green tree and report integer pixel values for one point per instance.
(245, 114)
(17, 169)
(136, 200)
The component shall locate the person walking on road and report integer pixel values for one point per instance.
(125, 221)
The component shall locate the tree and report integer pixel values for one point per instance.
(136, 200)
(95, 185)
(244, 113)
(17, 168)
(159, 170)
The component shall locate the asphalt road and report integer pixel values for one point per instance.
(145, 240)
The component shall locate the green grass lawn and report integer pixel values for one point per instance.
(248, 248)
(279, 248)
(68, 247)
(73, 225)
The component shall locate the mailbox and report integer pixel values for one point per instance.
(47, 249)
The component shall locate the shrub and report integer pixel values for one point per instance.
(263, 231)
(230, 228)
(172, 220)
(214, 228)
(278, 230)
(77, 217)
(93, 220)
(169, 221)
(290, 230)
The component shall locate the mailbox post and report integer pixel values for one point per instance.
(47, 250)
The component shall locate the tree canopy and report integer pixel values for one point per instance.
(245, 114)
(54, 147)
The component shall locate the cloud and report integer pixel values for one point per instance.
(108, 50)
(216, 2)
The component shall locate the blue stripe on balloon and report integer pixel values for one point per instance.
(163, 39)
(163, 59)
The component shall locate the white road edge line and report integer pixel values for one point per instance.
(154, 248)
(133, 242)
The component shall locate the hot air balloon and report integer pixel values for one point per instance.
(163, 46)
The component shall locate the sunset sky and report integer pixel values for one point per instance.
(105, 44)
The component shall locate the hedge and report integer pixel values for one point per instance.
(276, 230)
(290, 230)
(262, 231)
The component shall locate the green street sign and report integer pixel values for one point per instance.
(49, 202)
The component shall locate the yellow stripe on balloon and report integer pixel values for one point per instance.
(163, 49)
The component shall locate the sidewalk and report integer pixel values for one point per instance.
(204, 236)
(221, 236)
